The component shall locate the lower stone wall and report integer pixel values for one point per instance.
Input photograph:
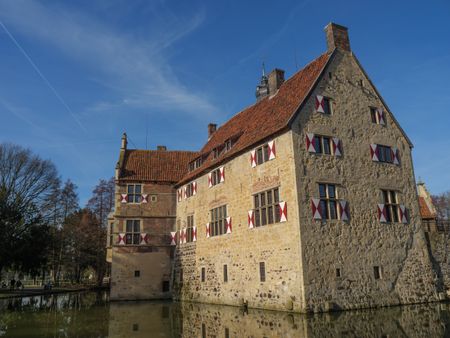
(154, 266)
(439, 247)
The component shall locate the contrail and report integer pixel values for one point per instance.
(43, 77)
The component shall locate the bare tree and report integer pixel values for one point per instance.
(442, 205)
(102, 201)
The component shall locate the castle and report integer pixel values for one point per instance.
(305, 201)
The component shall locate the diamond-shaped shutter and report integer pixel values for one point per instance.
(210, 180)
(179, 194)
(253, 158)
(382, 213)
(144, 198)
(343, 209)
(337, 146)
(272, 150)
(194, 188)
(283, 211)
(315, 208)
(228, 225)
(124, 198)
(374, 152)
(310, 143)
(173, 238)
(251, 219)
(222, 174)
(208, 231)
(183, 236)
(194, 234)
(185, 191)
(395, 155)
(403, 214)
(121, 239)
(144, 238)
(381, 116)
(319, 104)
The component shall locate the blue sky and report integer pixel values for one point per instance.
(80, 73)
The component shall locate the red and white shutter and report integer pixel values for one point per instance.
(183, 236)
(228, 225)
(403, 214)
(337, 146)
(320, 104)
(310, 143)
(381, 116)
(382, 213)
(144, 198)
(222, 174)
(185, 192)
(194, 234)
(395, 155)
(251, 219)
(343, 209)
(144, 238)
(121, 239)
(283, 211)
(194, 188)
(315, 208)
(208, 230)
(253, 158)
(124, 198)
(173, 238)
(272, 151)
(180, 194)
(374, 152)
(210, 180)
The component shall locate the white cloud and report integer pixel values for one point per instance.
(140, 72)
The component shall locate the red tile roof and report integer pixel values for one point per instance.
(155, 165)
(425, 212)
(263, 119)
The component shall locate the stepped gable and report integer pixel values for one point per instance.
(261, 120)
(155, 165)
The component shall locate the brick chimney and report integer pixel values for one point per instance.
(161, 148)
(337, 37)
(276, 78)
(212, 127)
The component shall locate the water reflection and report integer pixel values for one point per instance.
(91, 315)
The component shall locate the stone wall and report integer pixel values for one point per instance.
(358, 245)
(439, 246)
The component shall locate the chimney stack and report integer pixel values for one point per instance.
(212, 127)
(161, 148)
(124, 141)
(337, 37)
(276, 79)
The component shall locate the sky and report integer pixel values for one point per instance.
(75, 75)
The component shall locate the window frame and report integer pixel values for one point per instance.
(319, 142)
(133, 197)
(326, 201)
(327, 106)
(132, 234)
(215, 177)
(262, 272)
(203, 274)
(189, 228)
(262, 154)
(189, 192)
(218, 218)
(266, 203)
(391, 204)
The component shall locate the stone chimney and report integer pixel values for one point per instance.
(337, 37)
(212, 127)
(161, 148)
(124, 141)
(276, 79)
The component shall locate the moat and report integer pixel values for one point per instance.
(90, 314)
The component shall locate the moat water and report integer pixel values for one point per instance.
(90, 314)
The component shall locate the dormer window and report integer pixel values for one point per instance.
(216, 153)
(195, 164)
(228, 145)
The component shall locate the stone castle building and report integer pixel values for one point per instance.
(304, 201)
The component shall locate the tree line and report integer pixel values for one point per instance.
(43, 230)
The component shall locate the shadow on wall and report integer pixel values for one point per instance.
(165, 319)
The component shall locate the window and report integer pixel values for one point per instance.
(267, 210)
(225, 273)
(181, 275)
(338, 273)
(133, 230)
(215, 177)
(195, 164)
(137, 273)
(322, 144)
(189, 190)
(326, 106)
(376, 272)
(218, 221)
(374, 115)
(262, 154)
(328, 201)
(166, 286)
(384, 154)
(153, 198)
(189, 229)
(203, 330)
(227, 332)
(228, 145)
(135, 327)
(203, 276)
(391, 204)
(134, 193)
(262, 271)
